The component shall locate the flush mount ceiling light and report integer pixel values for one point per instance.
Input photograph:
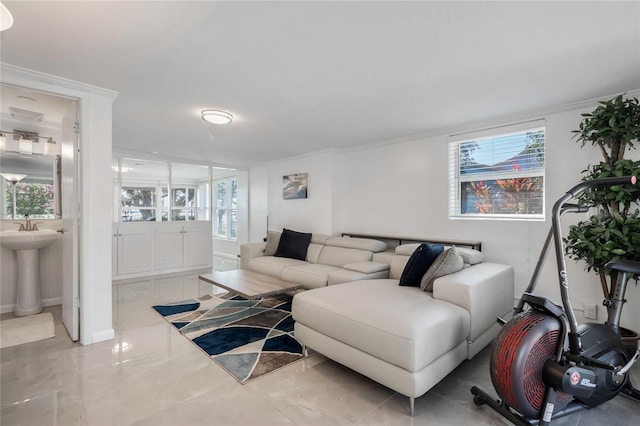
(216, 116)
(6, 20)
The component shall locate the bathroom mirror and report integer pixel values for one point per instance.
(36, 193)
(31, 131)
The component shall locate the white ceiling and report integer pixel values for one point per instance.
(301, 77)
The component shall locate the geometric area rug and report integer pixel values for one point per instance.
(248, 338)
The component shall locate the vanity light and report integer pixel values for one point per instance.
(26, 146)
(51, 147)
(217, 117)
(22, 142)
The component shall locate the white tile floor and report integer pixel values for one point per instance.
(151, 375)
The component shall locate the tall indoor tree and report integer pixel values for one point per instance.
(613, 231)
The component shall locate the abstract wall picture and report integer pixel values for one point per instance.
(294, 186)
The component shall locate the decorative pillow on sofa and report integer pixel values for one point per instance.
(293, 244)
(273, 240)
(420, 260)
(448, 262)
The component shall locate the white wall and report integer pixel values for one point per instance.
(401, 188)
(313, 214)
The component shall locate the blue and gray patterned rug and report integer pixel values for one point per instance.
(248, 338)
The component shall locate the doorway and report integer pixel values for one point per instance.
(40, 145)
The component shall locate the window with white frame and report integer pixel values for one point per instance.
(153, 190)
(498, 173)
(226, 208)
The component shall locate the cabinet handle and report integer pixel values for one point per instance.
(61, 230)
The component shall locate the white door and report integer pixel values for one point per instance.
(69, 185)
(135, 243)
(198, 244)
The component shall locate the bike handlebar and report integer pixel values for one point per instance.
(559, 207)
(610, 181)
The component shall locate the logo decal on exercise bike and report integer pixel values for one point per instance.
(575, 378)
(563, 279)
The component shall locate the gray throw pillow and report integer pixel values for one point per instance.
(273, 239)
(447, 263)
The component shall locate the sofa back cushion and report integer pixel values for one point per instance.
(313, 252)
(366, 244)
(340, 256)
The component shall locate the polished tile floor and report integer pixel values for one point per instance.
(150, 375)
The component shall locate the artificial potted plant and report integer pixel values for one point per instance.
(613, 231)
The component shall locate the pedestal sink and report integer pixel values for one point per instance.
(26, 244)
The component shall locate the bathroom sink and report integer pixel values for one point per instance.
(28, 240)
(26, 245)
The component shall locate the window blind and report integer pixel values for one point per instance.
(498, 173)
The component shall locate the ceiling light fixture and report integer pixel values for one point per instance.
(217, 117)
(6, 20)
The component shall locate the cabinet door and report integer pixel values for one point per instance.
(198, 244)
(135, 248)
(168, 246)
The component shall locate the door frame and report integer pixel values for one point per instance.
(94, 201)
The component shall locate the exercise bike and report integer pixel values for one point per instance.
(543, 364)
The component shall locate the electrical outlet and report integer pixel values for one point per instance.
(590, 311)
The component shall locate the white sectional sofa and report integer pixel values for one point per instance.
(402, 337)
(330, 260)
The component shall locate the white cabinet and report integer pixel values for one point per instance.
(168, 246)
(183, 245)
(141, 249)
(198, 250)
(134, 245)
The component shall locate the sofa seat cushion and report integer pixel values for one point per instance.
(273, 266)
(308, 275)
(401, 325)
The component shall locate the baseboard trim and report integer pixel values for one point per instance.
(101, 336)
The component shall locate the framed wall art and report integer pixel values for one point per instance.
(295, 186)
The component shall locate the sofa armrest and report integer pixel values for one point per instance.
(367, 267)
(250, 250)
(485, 290)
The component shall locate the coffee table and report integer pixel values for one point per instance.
(248, 284)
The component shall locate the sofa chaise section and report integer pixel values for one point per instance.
(402, 337)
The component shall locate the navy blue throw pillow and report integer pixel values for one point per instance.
(418, 263)
(294, 245)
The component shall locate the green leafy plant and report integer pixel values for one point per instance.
(613, 232)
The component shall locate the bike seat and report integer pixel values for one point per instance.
(631, 266)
